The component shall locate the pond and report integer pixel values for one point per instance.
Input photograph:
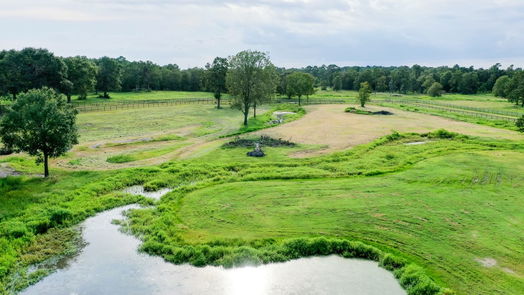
(110, 264)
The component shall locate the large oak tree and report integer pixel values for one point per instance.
(41, 123)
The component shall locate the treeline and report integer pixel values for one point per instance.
(404, 79)
(21, 70)
(29, 68)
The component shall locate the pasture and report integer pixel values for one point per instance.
(447, 202)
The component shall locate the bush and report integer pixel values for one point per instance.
(120, 159)
(263, 140)
(435, 90)
(442, 133)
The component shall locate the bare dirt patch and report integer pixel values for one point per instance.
(330, 125)
(6, 171)
(486, 262)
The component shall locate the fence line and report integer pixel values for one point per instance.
(479, 113)
(135, 104)
(454, 106)
(110, 106)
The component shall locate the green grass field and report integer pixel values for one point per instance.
(442, 213)
(148, 95)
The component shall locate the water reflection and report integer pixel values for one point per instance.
(110, 264)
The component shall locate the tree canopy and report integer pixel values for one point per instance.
(515, 89)
(299, 84)
(41, 123)
(30, 68)
(216, 77)
(81, 72)
(109, 75)
(435, 89)
(251, 78)
(500, 89)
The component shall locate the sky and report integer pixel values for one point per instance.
(295, 33)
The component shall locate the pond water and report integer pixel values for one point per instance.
(110, 264)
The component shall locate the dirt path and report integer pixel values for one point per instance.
(330, 125)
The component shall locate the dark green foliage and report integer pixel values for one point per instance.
(263, 140)
(109, 75)
(442, 133)
(364, 112)
(435, 90)
(515, 89)
(30, 68)
(500, 89)
(40, 123)
(520, 123)
(81, 72)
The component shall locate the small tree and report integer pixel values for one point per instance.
(435, 89)
(299, 84)
(216, 77)
(41, 123)
(364, 93)
(500, 89)
(520, 123)
(251, 77)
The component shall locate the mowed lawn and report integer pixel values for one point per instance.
(460, 216)
(330, 125)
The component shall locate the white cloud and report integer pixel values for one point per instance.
(296, 32)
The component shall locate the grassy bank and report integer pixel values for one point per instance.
(425, 203)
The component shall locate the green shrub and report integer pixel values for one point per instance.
(120, 159)
(442, 133)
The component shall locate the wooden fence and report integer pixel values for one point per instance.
(136, 104)
(483, 113)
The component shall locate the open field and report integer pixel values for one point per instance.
(444, 212)
(442, 209)
(147, 95)
(330, 125)
(444, 202)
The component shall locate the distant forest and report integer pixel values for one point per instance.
(21, 70)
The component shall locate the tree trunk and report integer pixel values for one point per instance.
(245, 117)
(106, 95)
(255, 110)
(218, 103)
(68, 98)
(46, 165)
(299, 100)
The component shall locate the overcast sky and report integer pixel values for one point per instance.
(294, 32)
